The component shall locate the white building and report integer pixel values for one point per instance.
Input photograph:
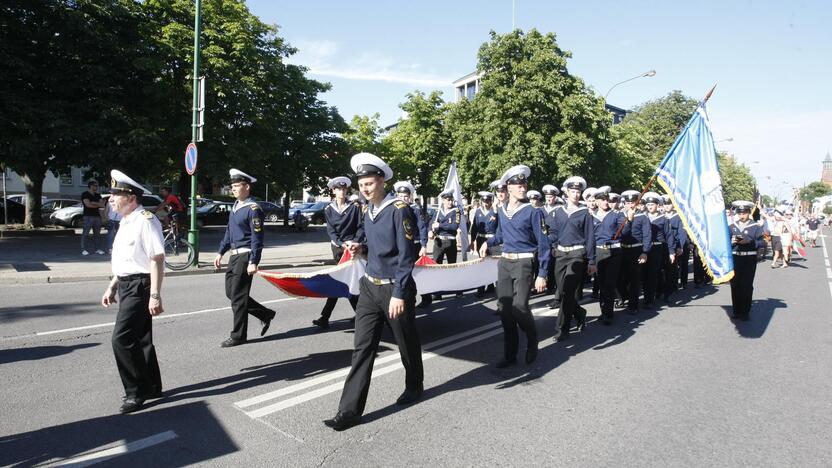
(69, 185)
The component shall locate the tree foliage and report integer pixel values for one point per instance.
(531, 110)
(737, 181)
(814, 190)
(420, 145)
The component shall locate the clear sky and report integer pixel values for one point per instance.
(771, 61)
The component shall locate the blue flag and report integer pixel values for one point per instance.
(690, 175)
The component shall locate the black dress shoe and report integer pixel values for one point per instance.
(265, 327)
(423, 305)
(231, 342)
(343, 421)
(506, 363)
(531, 353)
(321, 322)
(131, 404)
(562, 337)
(153, 395)
(410, 395)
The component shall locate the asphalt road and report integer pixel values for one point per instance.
(679, 386)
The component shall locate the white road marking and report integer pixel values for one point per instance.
(471, 336)
(110, 324)
(826, 259)
(99, 456)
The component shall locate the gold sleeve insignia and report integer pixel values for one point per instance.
(147, 214)
(408, 228)
(258, 225)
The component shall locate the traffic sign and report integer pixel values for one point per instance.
(190, 158)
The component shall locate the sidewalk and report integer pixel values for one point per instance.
(59, 260)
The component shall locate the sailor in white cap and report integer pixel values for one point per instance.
(407, 193)
(662, 252)
(746, 239)
(522, 232)
(608, 227)
(483, 227)
(636, 244)
(388, 292)
(574, 253)
(343, 220)
(588, 196)
(501, 193)
(244, 239)
(550, 193)
(535, 198)
(677, 230)
(444, 229)
(138, 265)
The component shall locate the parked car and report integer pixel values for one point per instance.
(297, 208)
(271, 212)
(21, 198)
(16, 211)
(73, 216)
(54, 204)
(213, 214)
(315, 212)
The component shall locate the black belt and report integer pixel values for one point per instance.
(136, 276)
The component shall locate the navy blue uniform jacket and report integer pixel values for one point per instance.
(244, 230)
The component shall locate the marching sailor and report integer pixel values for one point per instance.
(535, 198)
(609, 225)
(636, 244)
(575, 255)
(501, 191)
(550, 192)
(138, 269)
(664, 248)
(343, 219)
(483, 228)
(388, 292)
(522, 233)
(244, 239)
(671, 279)
(746, 239)
(444, 228)
(407, 193)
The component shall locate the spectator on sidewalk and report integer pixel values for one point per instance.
(172, 205)
(113, 219)
(92, 218)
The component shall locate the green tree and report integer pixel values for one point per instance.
(827, 210)
(68, 92)
(420, 145)
(364, 135)
(531, 110)
(814, 190)
(737, 181)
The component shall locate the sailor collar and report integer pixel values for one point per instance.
(671, 215)
(334, 206)
(445, 213)
(241, 204)
(654, 217)
(374, 211)
(603, 214)
(510, 213)
(550, 208)
(484, 211)
(577, 209)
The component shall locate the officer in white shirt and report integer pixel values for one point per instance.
(138, 268)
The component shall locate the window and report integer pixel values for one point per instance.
(470, 91)
(66, 178)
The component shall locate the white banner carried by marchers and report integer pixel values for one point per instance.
(456, 276)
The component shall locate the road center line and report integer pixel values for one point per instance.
(488, 331)
(110, 324)
(121, 449)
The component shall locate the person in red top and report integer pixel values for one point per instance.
(172, 204)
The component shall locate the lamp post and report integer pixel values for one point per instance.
(648, 74)
(193, 232)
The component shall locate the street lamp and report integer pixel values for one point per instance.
(649, 74)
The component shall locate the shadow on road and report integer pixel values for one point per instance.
(39, 352)
(199, 437)
(761, 312)
(12, 314)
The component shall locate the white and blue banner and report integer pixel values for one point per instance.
(690, 175)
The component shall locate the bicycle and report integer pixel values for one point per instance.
(179, 253)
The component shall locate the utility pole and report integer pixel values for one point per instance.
(193, 232)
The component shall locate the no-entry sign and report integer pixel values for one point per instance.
(190, 158)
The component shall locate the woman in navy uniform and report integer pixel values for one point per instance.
(483, 228)
(609, 225)
(663, 250)
(343, 219)
(671, 278)
(636, 245)
(388, 292)
(522, 233)
(138, 269)
(574, 231)
(746, 239)
(244, 239)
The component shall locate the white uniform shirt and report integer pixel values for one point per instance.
(139, 238)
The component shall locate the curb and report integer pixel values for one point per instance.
(25, 234)
(206, 270)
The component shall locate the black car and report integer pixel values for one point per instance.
(213, 214)
(16, 211)
(271, 212)
(315, 213)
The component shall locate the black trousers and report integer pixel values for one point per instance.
(608, 262)
(237, 288)
(670, 279)
(371, 314)
(133, 340)
(326, 313)
(699, 273)
(570, 272)
(651, 271)
(682, 262)
(514, 281)
(629, 286)
(444, 249)
(742, 285)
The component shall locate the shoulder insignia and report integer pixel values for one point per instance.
(399, 204)
(147, 214)
(255, 206)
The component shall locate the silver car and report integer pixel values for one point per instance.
(73, 216)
